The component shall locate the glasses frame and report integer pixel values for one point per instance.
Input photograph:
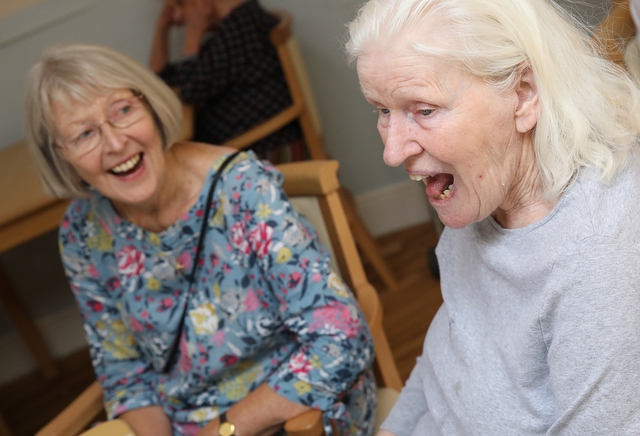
(62, 145)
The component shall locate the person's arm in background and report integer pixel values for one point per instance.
(160, 46)
(120, 367)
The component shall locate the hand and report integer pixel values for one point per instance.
(171, 15)
(199, 16)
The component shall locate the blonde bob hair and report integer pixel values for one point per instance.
(81, 72)
(590, 114)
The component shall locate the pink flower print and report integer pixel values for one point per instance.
(93, 271)
(95, 306)
(229, 359)
(299, 364)
(260, 239)
(112, 283)
(144, 314)
(316, 277)
(184, 259)
(218, 338)
(238, 240)
(335, 316)
(251, 301)
(136, 326)
(130, 261)
(165, 304)
(185, 360)
(294, 279)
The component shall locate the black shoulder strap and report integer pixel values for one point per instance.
(203, 229)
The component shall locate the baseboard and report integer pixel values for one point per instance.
(62, 333)
(394, 207)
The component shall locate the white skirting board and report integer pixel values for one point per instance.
(394, 207)
(62, 333)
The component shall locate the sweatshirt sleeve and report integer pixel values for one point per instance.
(86, 248)
(410, 406)
(592, 332)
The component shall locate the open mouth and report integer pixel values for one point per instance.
(128, 167)
(439, 186)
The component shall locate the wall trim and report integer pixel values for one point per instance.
(394, 207)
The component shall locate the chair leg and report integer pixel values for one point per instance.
(366, 242)
(27, 329)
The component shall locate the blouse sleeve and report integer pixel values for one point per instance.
(86, 251)
(333, 344)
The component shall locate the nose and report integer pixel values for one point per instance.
(400, 140)
(113, 139)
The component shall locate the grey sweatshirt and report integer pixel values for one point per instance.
(539, 332)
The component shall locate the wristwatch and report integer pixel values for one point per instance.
(226, 428)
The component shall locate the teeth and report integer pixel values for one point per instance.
(446, 192)
(126, 166)
(417, 178)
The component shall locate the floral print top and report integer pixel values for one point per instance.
(265, 307)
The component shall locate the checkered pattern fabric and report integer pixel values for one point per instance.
(236, 81)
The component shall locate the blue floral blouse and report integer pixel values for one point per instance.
(266, 307)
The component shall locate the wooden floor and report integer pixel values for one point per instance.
(29, 403)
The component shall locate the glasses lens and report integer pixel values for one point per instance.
(124, 113)
(85, 140)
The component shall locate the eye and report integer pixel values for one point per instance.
(425, 112)
(383, 111)
(84, 135)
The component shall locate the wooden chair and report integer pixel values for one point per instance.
(304, 110)
(615, 31)
(313, 188)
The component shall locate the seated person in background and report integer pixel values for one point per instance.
(526, 141)
(232, 76)
(254, 328)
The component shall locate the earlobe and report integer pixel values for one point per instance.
(526, 114)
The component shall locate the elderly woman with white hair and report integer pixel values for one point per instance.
(208, 303)
(527, 143)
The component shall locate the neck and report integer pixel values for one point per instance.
(525, 202)
(176, 192)
(224, 7)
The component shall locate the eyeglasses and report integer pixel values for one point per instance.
(121, 114)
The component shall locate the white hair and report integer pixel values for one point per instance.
(81, 72)
(590, 108)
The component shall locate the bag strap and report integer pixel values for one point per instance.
(203, 229)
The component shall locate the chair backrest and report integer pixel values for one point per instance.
(303, 107)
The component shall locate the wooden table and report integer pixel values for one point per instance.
(26, 213)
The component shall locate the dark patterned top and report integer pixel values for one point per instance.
(236, 80)
(266, 307)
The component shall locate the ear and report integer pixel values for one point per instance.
(528, 110)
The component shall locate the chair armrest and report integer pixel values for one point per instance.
(314, 177)
(308, 424)
(77, 415)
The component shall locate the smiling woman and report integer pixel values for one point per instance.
(527, 142)
(205, 296)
